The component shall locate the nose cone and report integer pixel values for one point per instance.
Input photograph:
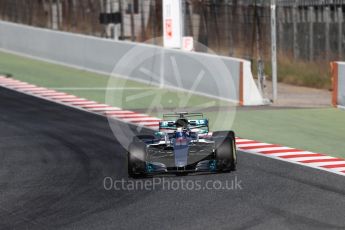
(181, 151)
(181, 147)
(181, 155)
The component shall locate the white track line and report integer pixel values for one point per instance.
(250, 145)
(57, 97)
(120, 112)
(311, 158)
(13, 85)
(53, 94)
(151, 124)
(267, 149)
(326, 163)
(69, 100)
(97, 105)
(141, 119)
(242, 140)
(105, 109)
(80, 103)
(289, 153)
(43, 92)
(28, 86)
(135, 115)
(39, 89)
(339, 169)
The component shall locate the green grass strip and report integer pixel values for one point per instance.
(317, 130)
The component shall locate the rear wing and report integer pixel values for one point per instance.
(197, 125)
(187, 115)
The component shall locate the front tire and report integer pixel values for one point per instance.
(225, 150)
(137, 159)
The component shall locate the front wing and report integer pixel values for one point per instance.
(201, 158)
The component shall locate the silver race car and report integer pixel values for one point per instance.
(182, 145)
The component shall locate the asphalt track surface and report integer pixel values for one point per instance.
(53, 161)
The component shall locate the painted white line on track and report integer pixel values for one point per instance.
(289, 153)
(13, 85)
(76, 99)
(34, 90)
(311, 158)
(340, 169)
(120, 112)
(86, 102)
(42, 92)
(250, 145)
(141, 119)
(242, 140)
(98, 109)
(129, 116)
(267, 149)
(53, 94)
(104, 109)
(57, 97)
(327, 163)
(28, 86)
(97, 105)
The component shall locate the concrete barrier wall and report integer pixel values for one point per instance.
(220, 77)
(338, 80)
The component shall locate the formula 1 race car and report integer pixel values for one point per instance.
(182, 145)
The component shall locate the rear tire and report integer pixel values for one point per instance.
(137, 159)
(225, 150)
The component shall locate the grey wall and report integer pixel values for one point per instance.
(220, 75)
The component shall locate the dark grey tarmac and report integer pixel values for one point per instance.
(53, 161)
